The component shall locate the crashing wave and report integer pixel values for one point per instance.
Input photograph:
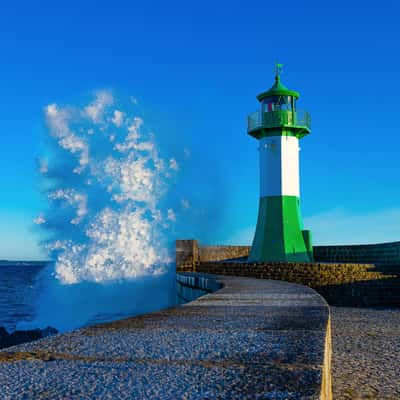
(105, 181)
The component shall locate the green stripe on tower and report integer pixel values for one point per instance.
(279, 235)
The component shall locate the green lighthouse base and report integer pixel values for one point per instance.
(279, 235)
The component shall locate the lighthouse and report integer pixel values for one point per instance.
(278, 126)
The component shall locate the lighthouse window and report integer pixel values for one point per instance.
(277, 103)
(269, 105)
(285, 103)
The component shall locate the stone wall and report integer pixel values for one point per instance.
(218, 253)
(382, 253)
(344, 282)
(313, 275)
(189, 253)
(340, 284)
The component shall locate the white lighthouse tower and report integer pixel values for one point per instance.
(279, 126)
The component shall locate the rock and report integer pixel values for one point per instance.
(4, 337)
(18, 337)
(3, 333)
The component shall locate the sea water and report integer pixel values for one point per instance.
(20, 287)
(18, 291)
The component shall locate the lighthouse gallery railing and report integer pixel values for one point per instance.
(273, 119)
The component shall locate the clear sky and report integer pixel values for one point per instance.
(195, 68)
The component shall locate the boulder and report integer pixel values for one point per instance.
(18, 337)
(4, 337)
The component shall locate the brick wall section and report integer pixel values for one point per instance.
(382, 253)
(218, 253)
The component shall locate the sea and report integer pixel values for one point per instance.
(18, 291)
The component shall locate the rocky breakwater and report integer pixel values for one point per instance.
(251, 339)
(19, 337)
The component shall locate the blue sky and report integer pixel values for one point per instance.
(195, 68)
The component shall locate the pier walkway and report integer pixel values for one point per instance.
(251, 339)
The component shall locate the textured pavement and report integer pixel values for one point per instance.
(252, 339)
(366, 353)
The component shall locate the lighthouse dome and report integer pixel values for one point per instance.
(278, 89)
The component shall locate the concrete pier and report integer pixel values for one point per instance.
(251, 339)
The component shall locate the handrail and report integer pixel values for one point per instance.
(279, 118)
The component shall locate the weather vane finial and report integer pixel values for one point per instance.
(278, 69)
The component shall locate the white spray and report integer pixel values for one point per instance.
(107, 222)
